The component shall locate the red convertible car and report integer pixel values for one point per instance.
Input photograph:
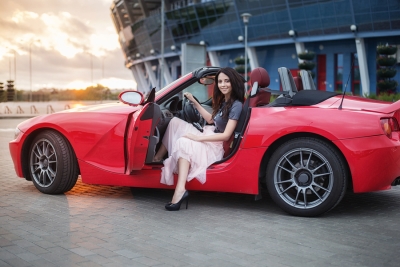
(307, 147)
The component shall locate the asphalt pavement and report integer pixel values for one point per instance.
(119, 226)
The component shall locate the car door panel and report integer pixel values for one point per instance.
(140, 138)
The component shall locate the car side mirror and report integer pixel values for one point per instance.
(206, 81)
(132, 98)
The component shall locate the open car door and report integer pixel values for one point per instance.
(142, 137)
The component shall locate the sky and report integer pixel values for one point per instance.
(64, 42)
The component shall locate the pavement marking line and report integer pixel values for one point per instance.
(7, 130)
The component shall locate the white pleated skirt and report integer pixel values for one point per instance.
(199, 154)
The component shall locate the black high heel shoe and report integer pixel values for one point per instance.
(173, 207)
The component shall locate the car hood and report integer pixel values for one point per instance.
(109, 108)
(80, 114)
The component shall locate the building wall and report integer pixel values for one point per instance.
(322, 26)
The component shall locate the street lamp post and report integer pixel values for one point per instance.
(9, 66)
(15, 68)
(15, 64)
(91, 66)
(246, 17)
(30, 68)
(162, 44)
(102, 68)
(30, 71)
(91, 69)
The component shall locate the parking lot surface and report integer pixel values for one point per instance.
(119, 226)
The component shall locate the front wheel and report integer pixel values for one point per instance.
(52, 163)
(306, 177)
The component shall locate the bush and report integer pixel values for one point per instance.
(385, 97)
(386, 73)
(240, 61)
(386, 49)
(386, 61)
(307, 55)
(306, 65)
(387, 85)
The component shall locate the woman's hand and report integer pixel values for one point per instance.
(192, 137)
(190, 97)
(204, 113)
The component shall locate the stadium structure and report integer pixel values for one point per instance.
(343, 35)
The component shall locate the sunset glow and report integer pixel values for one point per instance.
(112, 82)
(76, 105)
(51, 45)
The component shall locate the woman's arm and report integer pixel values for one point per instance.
(204, 113)
(230, 127)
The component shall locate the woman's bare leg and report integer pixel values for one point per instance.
(160, 154)
(183, 169)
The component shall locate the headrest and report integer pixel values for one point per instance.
(261, 76)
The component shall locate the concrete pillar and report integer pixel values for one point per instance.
(136, 77)
(363, 66)
(299, 49)
(174, 65)
(212, 55)
(167, 74)
(252, 55)
(144, 87)
(152, 76)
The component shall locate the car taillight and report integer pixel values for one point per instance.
(389, 125)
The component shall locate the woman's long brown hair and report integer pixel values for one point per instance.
(237, 93)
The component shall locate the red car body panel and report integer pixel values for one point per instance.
(91, 144)
(15, 152)
(363, 146)
(136, 144)
(235, 175)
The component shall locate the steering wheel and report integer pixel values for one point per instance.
(191, 114)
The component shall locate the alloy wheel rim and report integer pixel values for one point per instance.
(43, 163)
(303, 178)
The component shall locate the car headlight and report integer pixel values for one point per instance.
(17, 132)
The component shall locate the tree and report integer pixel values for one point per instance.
(307, 63)
(386, 69)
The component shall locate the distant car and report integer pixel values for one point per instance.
(306, 147)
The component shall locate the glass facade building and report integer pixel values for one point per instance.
(321, 26)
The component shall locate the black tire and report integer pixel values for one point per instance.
(306, 177)
(52, 163)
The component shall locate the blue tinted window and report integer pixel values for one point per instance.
(327, 9)
(377, 6)
(297, 13)
(342, 7)
(394, 4)
(361, 19)
(361, 7)
(344, 20)
(338, 72)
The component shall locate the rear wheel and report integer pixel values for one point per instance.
(306, 177)
(52, 163)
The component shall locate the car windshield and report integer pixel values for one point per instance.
(200, 91)
(174, 83)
